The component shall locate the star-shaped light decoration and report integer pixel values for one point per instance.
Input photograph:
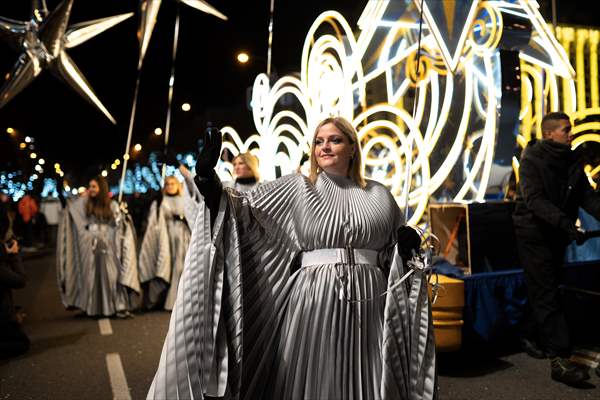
(43, 41)
(149, 12)
(449, 21)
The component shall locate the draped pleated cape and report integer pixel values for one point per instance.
(250, 322)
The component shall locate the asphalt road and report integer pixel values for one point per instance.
(71, 358)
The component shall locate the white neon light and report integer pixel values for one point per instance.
(332, 82)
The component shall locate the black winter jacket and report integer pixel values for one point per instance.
(552, 187)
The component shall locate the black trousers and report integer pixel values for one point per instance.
(542, 259)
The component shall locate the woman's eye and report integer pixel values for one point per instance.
(318, 142)
(336, 140)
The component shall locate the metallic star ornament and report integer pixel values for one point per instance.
(149, 12)
(43, 41)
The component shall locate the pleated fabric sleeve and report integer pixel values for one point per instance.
(126, 250)
(202, 353)
(408, 349)
(192, 198)
(155, 254)
(155, 259)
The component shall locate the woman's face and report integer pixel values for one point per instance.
(333, 150)
(241, 169)
(93, 188)
(171, 187)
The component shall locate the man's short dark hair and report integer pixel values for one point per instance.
(549, 122)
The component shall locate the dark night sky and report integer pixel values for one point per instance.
(67, 129)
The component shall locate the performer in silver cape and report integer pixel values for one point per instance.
(164, 246)
(283, 295)
(96, 255)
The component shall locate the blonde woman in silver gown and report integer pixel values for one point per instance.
(164, 247)
(284, 290)
(96, 255)
(245, 171)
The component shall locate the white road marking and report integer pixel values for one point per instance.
(118, 382)
(105, 326)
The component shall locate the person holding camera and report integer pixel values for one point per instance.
(552, 187)
(13, 340)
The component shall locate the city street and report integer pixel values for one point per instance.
(75, 357)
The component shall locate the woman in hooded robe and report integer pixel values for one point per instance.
(96, 255)
(164, 246)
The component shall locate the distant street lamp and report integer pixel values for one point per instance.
(186, 107)
(158, 131)
(10, 130)
(243, 57)
(137, 147)
(33, 156)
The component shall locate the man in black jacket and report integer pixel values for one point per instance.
(552, 187)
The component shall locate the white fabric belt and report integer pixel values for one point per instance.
(347, 256)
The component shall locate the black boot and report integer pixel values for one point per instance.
(532, 349)
(567, 372)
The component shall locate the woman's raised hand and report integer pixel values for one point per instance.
(209, 153)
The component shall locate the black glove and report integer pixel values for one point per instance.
(210, 153)
(408, 240)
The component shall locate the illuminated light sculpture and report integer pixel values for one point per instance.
(470, 101)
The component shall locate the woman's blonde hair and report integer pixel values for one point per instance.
(173, 178)
(355, 168)
(251, 161)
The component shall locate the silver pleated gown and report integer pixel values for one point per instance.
(96, 261)
(250, 322)
(163, 250)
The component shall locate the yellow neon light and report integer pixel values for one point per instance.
(589, 137)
